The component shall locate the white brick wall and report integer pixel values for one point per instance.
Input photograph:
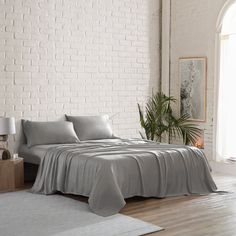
(78, 57)
(193, 26)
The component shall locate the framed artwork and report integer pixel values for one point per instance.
(193, 77)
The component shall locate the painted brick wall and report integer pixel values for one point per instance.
(82, 57)
(193, 25)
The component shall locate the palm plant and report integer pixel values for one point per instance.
(159, 121)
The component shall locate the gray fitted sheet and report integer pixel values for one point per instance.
(34, 154)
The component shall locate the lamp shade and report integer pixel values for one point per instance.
(7, 125)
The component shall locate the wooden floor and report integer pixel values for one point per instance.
(214, 214)
(211, 215)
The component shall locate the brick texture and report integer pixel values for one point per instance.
(84, 57)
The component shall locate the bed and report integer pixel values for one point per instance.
(109, 170)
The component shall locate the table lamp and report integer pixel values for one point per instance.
(7, 126)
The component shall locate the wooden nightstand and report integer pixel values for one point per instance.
(11, 174)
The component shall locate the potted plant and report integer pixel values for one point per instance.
(159, 121)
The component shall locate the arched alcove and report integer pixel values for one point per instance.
(225, 94)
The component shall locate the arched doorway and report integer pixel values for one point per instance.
(226, 109)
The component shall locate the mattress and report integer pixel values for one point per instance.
(35, 153)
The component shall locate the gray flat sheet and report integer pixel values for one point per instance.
(112, 170)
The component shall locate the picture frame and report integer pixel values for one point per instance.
(193, 87)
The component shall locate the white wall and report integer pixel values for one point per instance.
(78, 57)
(193, 28)
(97, 56)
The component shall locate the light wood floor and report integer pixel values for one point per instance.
(211, 215)
(214, 214)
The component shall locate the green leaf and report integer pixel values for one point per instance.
(157, 120)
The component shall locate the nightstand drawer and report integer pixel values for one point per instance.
(11, 174)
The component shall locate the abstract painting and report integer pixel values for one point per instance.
(192, 73)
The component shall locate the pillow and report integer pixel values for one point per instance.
(52, 132)
(91, 127)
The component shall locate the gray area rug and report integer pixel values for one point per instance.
(26, 214)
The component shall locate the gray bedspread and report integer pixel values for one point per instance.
(112, 170)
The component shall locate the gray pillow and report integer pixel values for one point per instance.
(91, 127)
(53, 132)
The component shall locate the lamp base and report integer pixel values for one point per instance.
(5, 154)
